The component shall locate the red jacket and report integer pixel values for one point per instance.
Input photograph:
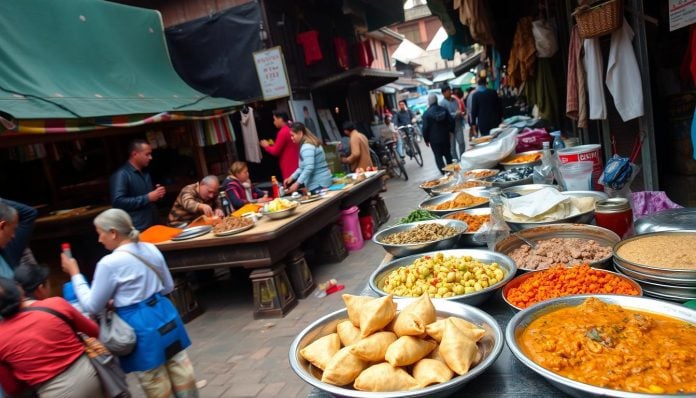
(37, 346)
(287, 152)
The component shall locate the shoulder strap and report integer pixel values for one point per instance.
(54, 313)
(144, 261)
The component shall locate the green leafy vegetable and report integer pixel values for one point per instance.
(418, 215)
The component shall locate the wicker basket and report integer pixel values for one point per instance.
(600, 19)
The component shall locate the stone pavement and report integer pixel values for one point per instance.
(243, 357)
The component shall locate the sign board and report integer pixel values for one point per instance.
(270, 67)
(681, 13)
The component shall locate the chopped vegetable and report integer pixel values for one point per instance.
(418, 215)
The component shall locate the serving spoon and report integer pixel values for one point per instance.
(531, 244)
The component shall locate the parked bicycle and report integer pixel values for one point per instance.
(385, 156)
(411, 147)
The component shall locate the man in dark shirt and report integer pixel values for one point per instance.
(486, 109)
(438, 124)
(16, 226)
(131, 187)
(404, 116)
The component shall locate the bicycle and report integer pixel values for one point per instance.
(389, 159)
(410, 145)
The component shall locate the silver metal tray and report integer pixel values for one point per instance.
(480, 192)
(665, 296)
(651, 270)
(467, 238)
(235, 231)
(508, 165)
(637, 275)
(667, 220)
(400, 250)
(193, 232)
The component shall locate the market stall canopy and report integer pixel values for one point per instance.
(467, 79)
(368, 77)
(103, 63)
(424, 81)
(407, 51)
(443, 76)
(469, 62)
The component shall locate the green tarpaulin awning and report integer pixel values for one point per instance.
(91, 59)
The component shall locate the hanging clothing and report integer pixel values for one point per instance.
(309, 41)
(252, 149)
(522, 54)
(593, 62)
(473, 13)
(542, 91)
(623, 75)
(576, 85)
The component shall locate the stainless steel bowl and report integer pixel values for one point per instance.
(661, 290)
(276, 215)
(449, 188)
(508, 165)
(414, 248)
(582, 218)
(429, 190)
(444, 198)
(378, 276)
(522, 319)
(640, 276)
(471, 174)
(601, 235)
(491, 345)
(652, 270)
(467, 238)
(526, 189)
(520, 279)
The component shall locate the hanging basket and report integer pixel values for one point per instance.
(600, 19)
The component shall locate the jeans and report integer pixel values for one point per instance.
(441, 150)
(400, 145)
(457, 139)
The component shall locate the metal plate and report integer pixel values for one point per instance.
(491, 346)
(665, 296)
(312, 198)
(651, 270)
(193, 232)
(414, 248)
(668, 220)
(235, 231)
(467, 238)
(508, 165)
(444, 198)
(637, 275)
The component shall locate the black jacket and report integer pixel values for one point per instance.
(129, 188)
(437, 124)
(486, 110)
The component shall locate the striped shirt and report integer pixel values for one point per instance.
(185, 207)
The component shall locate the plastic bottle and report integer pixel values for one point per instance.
(498, 228)
(276, 187)
(225, 204)
(65, 247)
(557, 141)
(547, 164)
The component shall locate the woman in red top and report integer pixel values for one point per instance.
(283, 147)
(40, 351)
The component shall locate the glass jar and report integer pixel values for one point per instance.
(615, 214)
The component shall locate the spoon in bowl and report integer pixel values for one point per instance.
(525, 240)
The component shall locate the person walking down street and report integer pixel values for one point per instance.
(16, 226)
(197, 199)
(452, 104)
(238, 187)
(40, 351)
(359, 157)
(135, 277)
(437, 125)
(313, 172)
(486, 109)
(131, 187)
(283, 148)
(389, 131)
(468, 97)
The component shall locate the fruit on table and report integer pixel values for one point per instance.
(278, 204)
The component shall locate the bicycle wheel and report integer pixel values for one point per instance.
(417, 153)
(375, 158)
(397, 165)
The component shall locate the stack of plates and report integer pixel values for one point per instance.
(677, 284)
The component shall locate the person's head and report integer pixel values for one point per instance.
(305, 110)
(114, 226)
(348, 127)
(482, 81)
(432, 99)
(300, 135)
(402, 105)
(139, 153)
(280, 119)
(34, 280)
(208, 187)
(446, 91)
(458, 92)
(11, 297)
(239, 170)
(387, 119)
(8, 223)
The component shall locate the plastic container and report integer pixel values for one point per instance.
(577, 176)
(615, 214)
(350, 228)
(557, 140)
(584, 153)
(367, 227)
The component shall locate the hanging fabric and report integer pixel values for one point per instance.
(363, 53)
(214, 131)
(544, 38)
(541, 90)
(309, 41)
(342, 57)
(473, 13)
(576, 84)
(623, 75)
(522, 54)
(593, 63)
(252, 149)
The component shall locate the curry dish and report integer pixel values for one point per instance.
(613, 347)
(462, 200)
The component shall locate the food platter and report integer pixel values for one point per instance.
(235, 231)
(400, 250)
(509, 163)
(476, 192)
(193, 232)
(685, 274)
(310, 198)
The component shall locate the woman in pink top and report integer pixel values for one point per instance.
(283, 147)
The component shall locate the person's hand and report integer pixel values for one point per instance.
(263, 143)
(264, 199)
(69, 265)
(294, 187)
(287, 181)
(219, 213)
(156, 194)
(207, 210)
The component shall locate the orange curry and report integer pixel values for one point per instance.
(613, 347)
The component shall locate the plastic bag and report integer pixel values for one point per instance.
(650, 202)
(487, 156)
(544, 38)
(531, 139)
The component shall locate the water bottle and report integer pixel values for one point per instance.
(544, 174)
(225, 204)
(557, 141)
(498, 229)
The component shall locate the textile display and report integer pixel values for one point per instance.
(576, 85)
(542, 91)
(252, 149)
(473, 13)
(309, 41)
(523, 53)
(593, 63)
(342, 57)
(623, 75)
(214, 131)
(544, 38)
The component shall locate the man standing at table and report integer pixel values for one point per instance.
(131, 187)
(197, 199)
(283, 148)
(359, 157)
(437, 126)
(16, 225)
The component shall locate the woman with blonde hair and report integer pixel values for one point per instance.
(136, 277)
(313, 171)
(238, 187)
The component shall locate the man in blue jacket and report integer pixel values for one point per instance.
(132, 190)
(16, 226)
(438, 124)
